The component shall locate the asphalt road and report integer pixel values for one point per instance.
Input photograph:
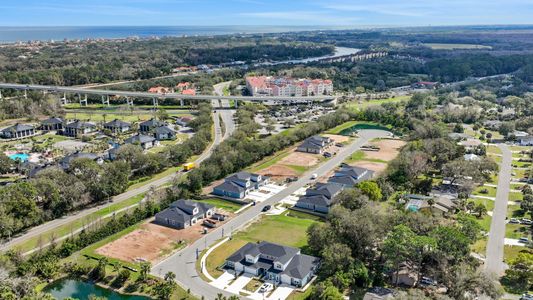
(50, 225)
(494, 257)
(183, 262)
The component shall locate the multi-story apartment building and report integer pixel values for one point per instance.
(288, 87)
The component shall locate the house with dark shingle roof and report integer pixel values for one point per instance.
(18, 131)
(145, 141)
(148, 126)
(52, 124)
(164, 133)
(117, 126)
(281, 264)
(349, 176)
(239, 185)
(78, 128)
(315, 144)
(319, 198)
(184, 213)
(65, 161)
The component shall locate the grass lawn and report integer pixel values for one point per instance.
(485, 222)
(360, 104)
(516, 231)
(147, 180)
(511, 252)
(360, 155)
(490, 191)
(521, 164)
(514, 211)
(520, 148)
(518, 173)
(514, 196)
(493, 149)
(497, 159)
(268, 228)
(223, 204)
(480, 246)
(338, 129)
(489, 204)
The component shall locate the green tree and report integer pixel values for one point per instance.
(520, 272)
(6, 163)
(371, 189)
(145, 268)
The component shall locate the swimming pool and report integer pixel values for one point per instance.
(20, 156)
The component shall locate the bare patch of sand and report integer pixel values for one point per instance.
(300, 159)
(377, 167)
(389, 149)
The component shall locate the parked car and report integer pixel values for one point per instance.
(523, 240)
(340, 145)
(427, 281)
(326, 154)
(514, 221)
(314, 176)
(267, 208)
(526, 222)
(265, 287)
(526, 297)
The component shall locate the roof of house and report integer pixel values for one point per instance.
(301, 265)
(52, 120)
(17, 128)
(381, 291)
(315, 142)
(230, 187)
(241, 176)
(164, 130)
(152, 123)
(140, 138)
(80, 125)
(319, 200)
(280, 253)
(329, 190)
(117, 124)
(65, 161)
(180, 210)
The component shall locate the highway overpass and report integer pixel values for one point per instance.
(138, 95)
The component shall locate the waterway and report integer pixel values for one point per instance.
(78, 289)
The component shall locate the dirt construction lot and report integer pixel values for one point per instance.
(389, 149)
(278, 173)
(151, 242)
(300, 159)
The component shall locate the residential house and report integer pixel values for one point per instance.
(525, 140)
(145, 141)
(183, 121)
(78, 128)
(117, 126)
(164, 133)
(281, 264)
(239, 185)
(441, 203)
(184, 213)
(52, 124)
(518, 134)
(348, 176)
(315, 144)
(425, 85)
(492, 124)
(160, 90)
(471, 157)
(379, 293)
(189, 92)
(65, 161)
(405, 276)
(148, 126)
(18, 131)
(319, 198)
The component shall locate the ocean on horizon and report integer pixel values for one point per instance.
(24, 34)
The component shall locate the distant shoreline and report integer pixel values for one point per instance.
(13, 34)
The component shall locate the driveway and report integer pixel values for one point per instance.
(265, 192)
(281, 292)
(223, 280)
(239, 283)
(494, 261)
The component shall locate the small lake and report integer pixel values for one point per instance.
(360, 126)
(78, 289)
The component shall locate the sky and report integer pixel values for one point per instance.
(264, 12)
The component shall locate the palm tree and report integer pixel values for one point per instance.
(480, 209)
(170, 276)
(145, 267)
(116, 267)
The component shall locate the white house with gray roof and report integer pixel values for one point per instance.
(238, 185)
(281, 264)
(145, 141)
(117, 126)
(315, 144)
(184, 213)
(162, 133)
(349, 176)
(319, 198)
(78, 128)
